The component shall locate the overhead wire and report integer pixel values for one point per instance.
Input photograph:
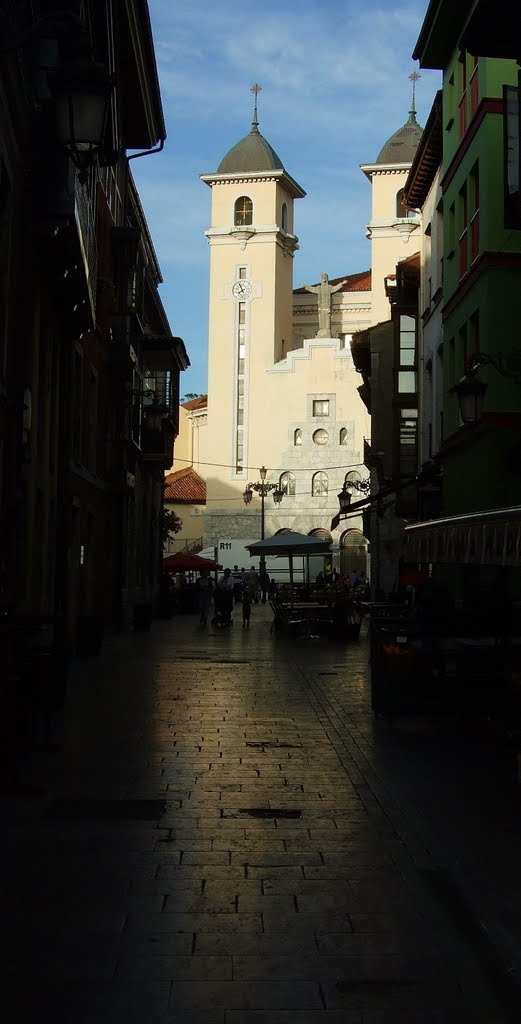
(293, 469)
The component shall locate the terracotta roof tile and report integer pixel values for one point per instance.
(353, 283)
(196, 403)
(185, 485)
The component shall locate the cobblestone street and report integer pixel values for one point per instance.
(229, 837)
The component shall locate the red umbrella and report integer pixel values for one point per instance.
(185, 560)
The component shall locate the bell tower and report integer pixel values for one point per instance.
(393, 230)
(252, 243)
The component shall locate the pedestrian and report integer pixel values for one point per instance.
(204, 587)
(237, 584)
(226, 585)
(246, 610)
(264, 580)
(273, 590)
(252, 584)
(320, 578)
(353, 579)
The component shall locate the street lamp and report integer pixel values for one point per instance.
(81, 87)
(470, 391)
(82, 91)
(263, 488)
(352, 483)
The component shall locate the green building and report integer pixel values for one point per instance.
(481, 447)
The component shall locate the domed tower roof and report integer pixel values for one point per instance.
(252, 153)
(401, 147)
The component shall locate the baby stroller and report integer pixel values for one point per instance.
(223, 604)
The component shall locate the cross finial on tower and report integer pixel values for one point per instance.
(255, 89)
(413, 78)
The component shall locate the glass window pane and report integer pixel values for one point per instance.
(321, 436)
(407, 323)
(406, 382)
(407, 357)
(407, 340)
(243, 211)
(321, 407)
(319, 484)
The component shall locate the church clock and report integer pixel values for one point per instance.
(241, 289)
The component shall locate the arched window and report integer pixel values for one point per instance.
(319, 485)
(243, 212)
(353, 477)
(343, 436)
(401, 209)
(321, 534)
(297, 436)
(284, 217)
(321, 436)
(287, 483)
(353, 552)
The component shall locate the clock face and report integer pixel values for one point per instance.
(241, 289)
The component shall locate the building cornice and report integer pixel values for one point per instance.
(281, 177)
(371, 169)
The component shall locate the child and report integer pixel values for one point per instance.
(246, 609)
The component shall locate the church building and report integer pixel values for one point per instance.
(282, 388)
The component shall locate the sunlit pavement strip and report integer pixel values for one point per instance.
(280, 883)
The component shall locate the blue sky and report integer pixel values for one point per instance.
(335, 86)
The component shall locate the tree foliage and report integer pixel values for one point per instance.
(171, 523)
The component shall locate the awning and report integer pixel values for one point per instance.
(491, 537)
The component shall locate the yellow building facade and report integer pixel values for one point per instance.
(282, 388)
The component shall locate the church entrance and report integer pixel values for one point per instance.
(317, 562)
(353, 552)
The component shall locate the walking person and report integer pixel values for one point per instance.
(237, 583)
(204, 586)
(264, 585)
(252, 584)
(246, 609)
(226, 585)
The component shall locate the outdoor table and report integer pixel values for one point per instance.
(300, 612)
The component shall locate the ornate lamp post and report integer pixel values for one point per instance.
(470, 390)
(263, 488)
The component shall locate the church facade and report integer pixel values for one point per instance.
(282, 387)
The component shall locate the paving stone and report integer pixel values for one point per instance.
(292, 1017)
(215, 916)
(244, 995)
(175, 968)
